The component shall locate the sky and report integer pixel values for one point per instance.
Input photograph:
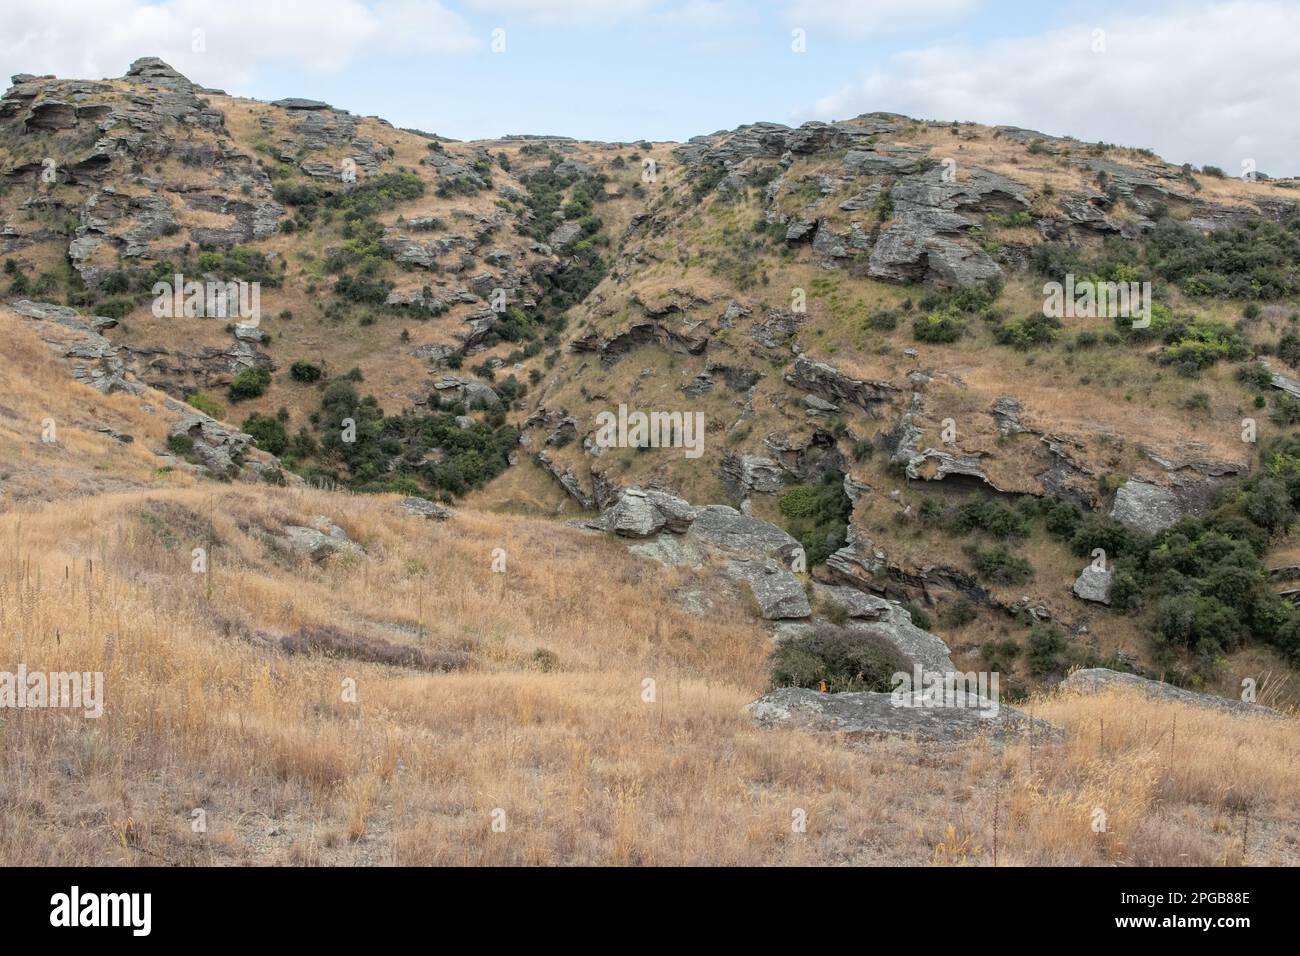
(1200, 81)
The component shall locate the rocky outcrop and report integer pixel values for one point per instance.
(471, 392)
(724, 528)
(1146, 507)
(743, 475)
(826, 382)
(1097, 679)
(779, 593)
(880, 715)
(639, 514)
(106, 133)
(92, 358)
(876, 616)
(931, 218)
(753, 552)
(566, 478)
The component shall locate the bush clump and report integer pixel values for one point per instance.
(818, 516)
(846, 660)
(306, 372)
(250, 383)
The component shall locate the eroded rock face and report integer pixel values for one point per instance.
(926, 238)
(827, 383)
(469, 391)
(92, 358)
(878, 714)
(108, 132)
(745, 475)
(726, 528)
(763, 557)
(222, 452)
(567, 479)
(1096, 679)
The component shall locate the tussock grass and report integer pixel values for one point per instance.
(566, 753)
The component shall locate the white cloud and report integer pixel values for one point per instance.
(569, 12)
(96, 38)
(1203, 83)
(858, 18)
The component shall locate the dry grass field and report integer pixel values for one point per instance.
(542, 725)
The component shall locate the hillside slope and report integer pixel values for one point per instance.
(854, 310)
(411, 695)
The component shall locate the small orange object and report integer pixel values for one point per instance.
(823, 687)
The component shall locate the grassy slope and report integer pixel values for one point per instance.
(201, 714)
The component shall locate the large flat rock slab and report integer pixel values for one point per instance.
(878, 715)
(1096, 679)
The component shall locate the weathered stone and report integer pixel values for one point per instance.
(726, 528)
(563, 234)
(826, 382)
(1097, 679)
(1145, 507)
(1007, 412)
(316, 544)
(1093, 584)
(640, 513)
(882, 714)
(425, 508)
(779, 593)
(744, 475)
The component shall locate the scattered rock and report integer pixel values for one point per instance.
(639, 514)
(425, 508)
(1093, 584)
(318, 544)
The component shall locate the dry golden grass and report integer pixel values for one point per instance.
(201, 713)
(81, 460)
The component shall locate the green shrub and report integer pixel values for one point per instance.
(250, 383)
(818, 516)
(268, 432)
(959, 613)
(1024, 334)
(1045, 650)
(307, 372)
(938, 328)
(1203, 342)
(998, 565)
(845, 660)
(180, 445)
(918, 615)
(991, 517)
(1288, 349)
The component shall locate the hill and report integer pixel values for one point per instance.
(318, 439)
